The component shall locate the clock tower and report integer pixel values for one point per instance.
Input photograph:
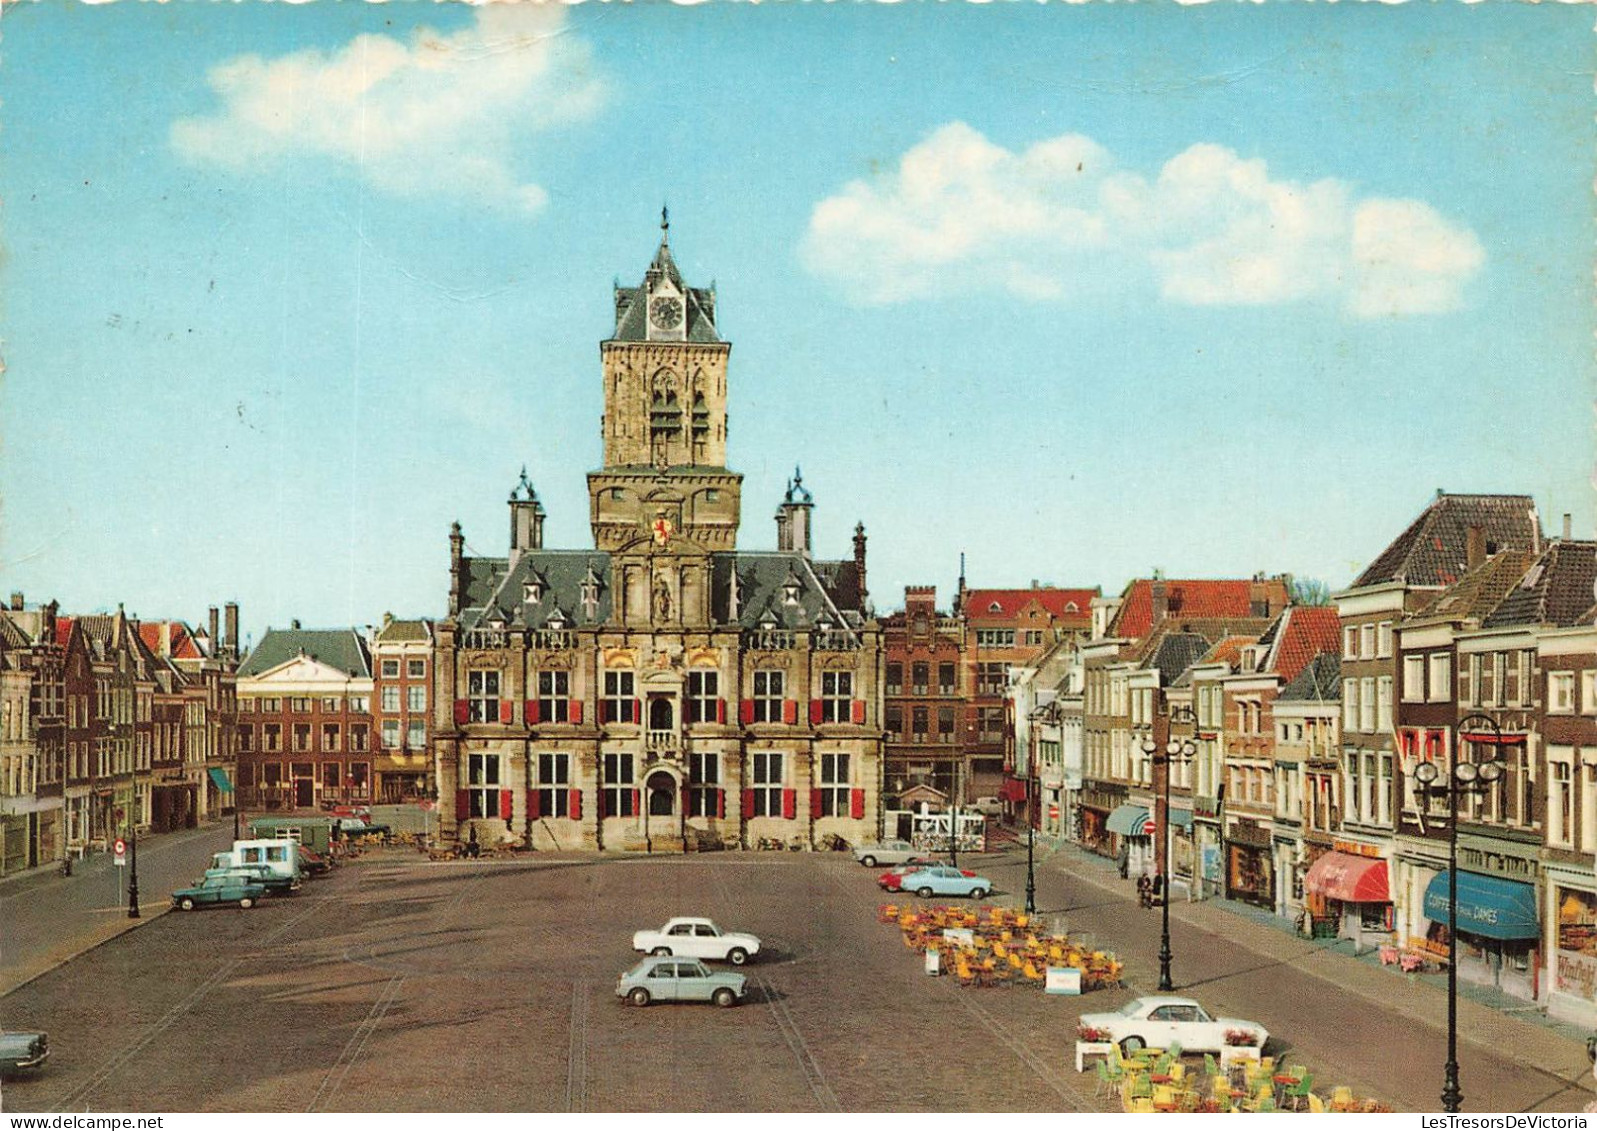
(664, 487)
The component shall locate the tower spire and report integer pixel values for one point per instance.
(665, 225)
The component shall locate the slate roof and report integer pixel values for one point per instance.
(1066, 604)
(340, 648)
(1320, 681)
(1188, 600)
(405, 632)
(11, 635)
(1557, 589)
(631, 304)
(1175, 653)
(1433, 550)
(775, 590)
(1480, 590)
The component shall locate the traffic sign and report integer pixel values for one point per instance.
(1149, 827)
(120, 849)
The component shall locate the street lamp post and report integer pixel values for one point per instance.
(1478, 778)
(1175, 750)
(1031, 852)
(133, 870)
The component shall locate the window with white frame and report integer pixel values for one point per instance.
(554, 785)
(1383, 703)
(483, 784)
(1561, 692)
(1367, 704)
(765, 784)
(1350, 642)
(619, 784)
(390, 669)
(1560, 796)
(619, 696)
(837, 692)
(704, 695)
(390, 734)
(1383, 789)
(1383, 638)
(1588, 801)
(1350, 704)
(1588, 692)
(416, 669)
(768, 689)
(416, 699)
(704, 784)
(554, 696)
(834, 785)
(416, 734)
(1366, 641)
(1413, 679)
(1441, 676)
(482, 696)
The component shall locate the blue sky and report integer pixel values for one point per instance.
(1080, 291)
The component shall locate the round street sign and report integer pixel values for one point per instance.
(120, 848)
(1149, 827)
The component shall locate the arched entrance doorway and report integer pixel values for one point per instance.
(661, 790)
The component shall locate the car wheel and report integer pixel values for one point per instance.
(724, 997)
(639, 996)
(737, 956)
(924, 893)
(186, 903)
(978, 893)
(868, 861)
(246, 903)
(662, 951)
(1132, 1045)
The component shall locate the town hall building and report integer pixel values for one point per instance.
(663, 690)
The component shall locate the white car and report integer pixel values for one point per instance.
(887, 852)
(1161, 1021)
(698, 938)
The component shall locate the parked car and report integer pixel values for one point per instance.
(887, 852)
(261, 874)
(1161, 1021)
(940, 879)
(219, 889)
(20, 1052)
(698, 938)
(988, 806)
(314, 863)
(891, 880)
(680, 979)
(352, 827)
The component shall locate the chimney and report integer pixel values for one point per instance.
(215, 641)
(1568, 527)
(47, 623)
(1258, 597)
(1161, 599)
(294, 625)
(1474, 547)
(16, 598)
(859, 561)
(457, 584)
(230, 619)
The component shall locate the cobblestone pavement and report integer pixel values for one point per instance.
(398, 984)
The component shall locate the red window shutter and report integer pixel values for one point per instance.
(530, 712)
(790, 711)
(720, 803)
(685, 798)
(748, 803)
(856, 804)
(790, 803)
(462, 804)
(506, 710)
(720, 710)
(815, 803)
(859, 710)
(533, 812)
(574, 805)
(816, 706)
(575, 713)
(746, 712)
(604, 710)
(637, 799)
(507, 804)
(462, 712)
(637, 711)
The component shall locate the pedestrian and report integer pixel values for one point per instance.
(1144, 890)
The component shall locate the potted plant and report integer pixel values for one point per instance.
(1240, 1044)
(1091, 1040)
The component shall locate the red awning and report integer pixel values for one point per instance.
(1352, 879)
(1013, 789)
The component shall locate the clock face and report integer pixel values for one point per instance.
(665, 311)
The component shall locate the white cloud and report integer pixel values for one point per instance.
(439, 114)
(1060, 219)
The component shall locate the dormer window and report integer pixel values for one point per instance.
(790, 591)
(557, 620)
(532, 591)
(590, 595)
(995, 607)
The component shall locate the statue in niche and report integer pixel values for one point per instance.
(662, 600)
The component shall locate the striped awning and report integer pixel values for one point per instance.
(220, 778)
(1127, 820)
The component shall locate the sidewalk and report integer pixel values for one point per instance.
(1487, 1018)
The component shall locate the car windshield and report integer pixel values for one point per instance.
(1131, 1008)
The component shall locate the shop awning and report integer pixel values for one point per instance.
(1127, 820)
(1013, 789)
(1181, 818)
(220, 778)
(1496, 909)
(1352, 879)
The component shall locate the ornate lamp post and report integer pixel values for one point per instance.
(1031, 852)
(1176, 750)
(133, 869)
(1476, 778)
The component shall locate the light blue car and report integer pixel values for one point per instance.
(943, 880)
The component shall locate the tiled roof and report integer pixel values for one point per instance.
(11, 635)
(1065, 604)
(341, 648)
(1434, 549)
(1227, 651)
(405, 632)
(1320, 681)
(1187, 600)
(182, 646)
(1301, 634)
(1482, 589)
(1557, 589)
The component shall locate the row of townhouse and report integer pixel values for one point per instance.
(1295, 739)
(108, 725)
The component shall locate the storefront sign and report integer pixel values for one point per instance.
(1495, 862)
(1576, 974)
(1249, 833)
(1206, 808)
(1355, 848)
